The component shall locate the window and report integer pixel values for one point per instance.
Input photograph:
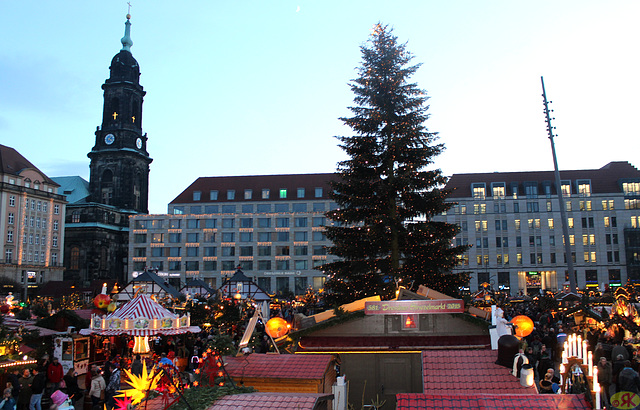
(8, 256)
(265, 194)
(478, 190)
(517, 224)
(246, 251)
(54, 241)
(228, 222)
(282, 250)
(319, 236)
(607, 204)
(264, 250)
(246, 222)
(300, 222)
(192, 237)
(516, 207)
(263, 265)
(531, 189)
(193, 223)
(568, 206)
(282, 208)
(552, 240)
(570, 222)
(300, 236)
(9, 236)
(247, 208)
(210, 265)
(174, 223)
(157, 238)
(228, 265)
(301, 265)
(550, 223)
(283, 193)
(300, 193)
(213, 195)
(192, 265)
(498, 190)
(228, 251)
(231, 194)
(10, 218)
(532, 207)
(210, 251)
(140, 252)
(12, 200)
(140, 238)
(264, 208)
(318, 192)
(584, 187)
(549, 206)
(631, 188)
(246, 265)
(174, 252)
(56, 209)
(264, 236)
(178, 210)
(174, 238)
(227, 237)
(319, 207)
(75, 258)
(566, 188)
(246, 236)
(300, 250)
(319, 250)
(282, 222)
(282, 236)
(585, 205)
(197, 195)
(264, 222)
(282, 265)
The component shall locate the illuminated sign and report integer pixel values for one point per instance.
(408, 307)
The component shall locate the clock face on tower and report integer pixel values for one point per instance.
(139, 143)
(109, 138)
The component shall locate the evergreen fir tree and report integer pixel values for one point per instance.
(383, 230)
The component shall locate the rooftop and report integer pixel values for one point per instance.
(417, 401)
(284, 366)
(268, 401)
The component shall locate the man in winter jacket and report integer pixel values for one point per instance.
(37, 388)
(55, 373)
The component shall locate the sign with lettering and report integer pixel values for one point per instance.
(625, 400)
(406, 307)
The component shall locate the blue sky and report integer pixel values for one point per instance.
(257, 87)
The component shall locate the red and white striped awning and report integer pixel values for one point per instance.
(141, 316)
(141, 306)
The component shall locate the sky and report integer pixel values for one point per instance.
(257, 87)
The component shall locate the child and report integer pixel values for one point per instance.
(8, 402)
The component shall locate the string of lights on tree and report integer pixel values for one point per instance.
(383, 232)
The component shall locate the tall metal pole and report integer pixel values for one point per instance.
(563, 214)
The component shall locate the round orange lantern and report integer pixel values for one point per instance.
(523, 325)
(277, 327)
(102, 301)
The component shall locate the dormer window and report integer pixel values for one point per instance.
(531, 189)
(197, 195)
(498, 189)
(566, 189)
(584, 187)
(479, 190)
(631, 188)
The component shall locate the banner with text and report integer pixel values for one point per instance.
(406, 307)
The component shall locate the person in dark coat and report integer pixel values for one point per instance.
(605, 378)
(136, 366)
(37, 389)
(14, 379)
(25, 390)
(617, 366)
(73, 390)
(628, 379)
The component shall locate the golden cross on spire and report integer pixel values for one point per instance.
(115, 115)
(129, 8)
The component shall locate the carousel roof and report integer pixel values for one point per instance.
(142, 306)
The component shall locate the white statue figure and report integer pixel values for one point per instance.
(501, 323)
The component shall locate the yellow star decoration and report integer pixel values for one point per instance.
(140, 385)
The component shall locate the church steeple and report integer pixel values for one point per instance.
(119, 159)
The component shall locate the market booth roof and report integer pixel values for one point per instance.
(141, 316)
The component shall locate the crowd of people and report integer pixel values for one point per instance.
(617, 359)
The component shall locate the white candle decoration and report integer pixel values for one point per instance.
(590, 362)
(583, 356)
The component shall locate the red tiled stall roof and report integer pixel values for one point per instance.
(468, 372)
(256, 183)
(327, 343)
(604, 180)
(269, 401)
(415, 401)
(283, 366)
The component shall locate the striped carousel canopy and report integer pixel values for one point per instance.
(141, 316)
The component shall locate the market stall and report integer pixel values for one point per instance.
(140, 318)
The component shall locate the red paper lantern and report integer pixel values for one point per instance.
(523, 324)
(277, 327)
(102, 301)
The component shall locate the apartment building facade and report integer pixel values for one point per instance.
(272, 226)
(512, 222)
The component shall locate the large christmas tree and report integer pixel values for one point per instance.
(383, 230)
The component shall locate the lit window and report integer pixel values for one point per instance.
(478, 190)
(584, 187)
(570, 222)
(283, 193)
(498, 189)
(631, 188)
(550, 223)
(566, 188)
(248, 193)
(265, 194)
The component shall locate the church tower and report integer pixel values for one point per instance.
(119, 169)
